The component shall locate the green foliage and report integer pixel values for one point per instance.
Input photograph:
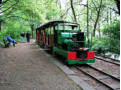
(99, 45)
(112, 31)
(110, 41)
(19, 15)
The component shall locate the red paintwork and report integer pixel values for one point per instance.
(38, 37)
(41, 35)
(46, 39)
(38, 32)
(72, 56)
(91, 55)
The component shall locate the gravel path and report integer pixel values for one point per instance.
(25, 67)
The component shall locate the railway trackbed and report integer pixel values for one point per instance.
(106, 80)
(108, 60)
(107, 65)
(105, 56)
(100, 75)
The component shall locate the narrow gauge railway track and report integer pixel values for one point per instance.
(116, 62)
(89, 71)
(104, 56)
(116, 78)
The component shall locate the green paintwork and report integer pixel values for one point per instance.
(60, 51)
(84, 40)
(67, 41)
(80, 62)
(66, 34)
(63, 36)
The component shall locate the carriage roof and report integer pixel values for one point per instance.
(51, 24)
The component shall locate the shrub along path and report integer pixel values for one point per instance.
(25, 67)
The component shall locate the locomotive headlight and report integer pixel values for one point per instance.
(81, 48)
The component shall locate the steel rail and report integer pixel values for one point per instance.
(108, 61)
(95, 78)
(106, 57)
(118, 79)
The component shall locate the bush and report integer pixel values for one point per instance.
(110, 40)
(99, 46)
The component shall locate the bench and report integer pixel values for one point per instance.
(6, 42)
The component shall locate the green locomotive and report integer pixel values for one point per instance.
(65, 39)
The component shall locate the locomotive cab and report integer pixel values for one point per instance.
(80, 37)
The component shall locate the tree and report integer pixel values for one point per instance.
(98, 15)
(112, 32)
(87, 20)
(73, 11)
(6, 11)
(0, 13)
(118, 5)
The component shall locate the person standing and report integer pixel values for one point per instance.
(22, 37)
(28, 36)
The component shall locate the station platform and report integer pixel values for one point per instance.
(27, 67)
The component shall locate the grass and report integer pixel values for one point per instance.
(1, 42)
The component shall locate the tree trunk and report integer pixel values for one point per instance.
(107, 18)
(0, 19)
(0, 1)
(73, 11)
(87, 21)
(118, 5)
(0, 25)
(110, 17)
(99, 29)
(32, 28)
(97, 18)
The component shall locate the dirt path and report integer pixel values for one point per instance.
(25, 67)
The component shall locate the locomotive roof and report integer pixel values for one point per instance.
(52, 23)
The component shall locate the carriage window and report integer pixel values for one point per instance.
(61, 27)
(52, 30)
(46, 30)
(68, 26)
(56, 27)
(49, 31)
(41, 31)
